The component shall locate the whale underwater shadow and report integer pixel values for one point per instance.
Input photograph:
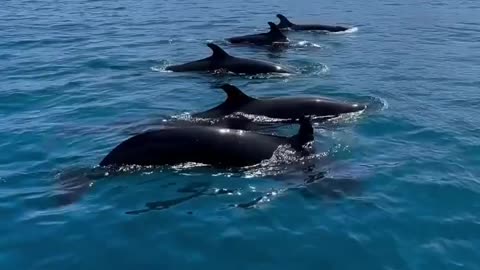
(313, 182)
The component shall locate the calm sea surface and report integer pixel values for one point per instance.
(401, 186)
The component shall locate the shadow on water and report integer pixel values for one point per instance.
(307, 177)
(196, 191)
(312, 184)
(323, 187)
(72, 184)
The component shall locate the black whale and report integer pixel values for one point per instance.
(220, 60)
(214, 146)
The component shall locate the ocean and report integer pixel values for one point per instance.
(395, 187)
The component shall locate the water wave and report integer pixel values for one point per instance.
(305, 44)
(348, 31)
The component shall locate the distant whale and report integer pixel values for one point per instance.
(220, 60)
(274, 36)
(278, 108)
(285, 24)
(214, 146)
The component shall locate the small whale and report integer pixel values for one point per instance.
(273, 37)
(214, 146)
(278, 108)
(221, 60)
(285, 24)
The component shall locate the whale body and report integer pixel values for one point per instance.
(278, 108)
(274, 36)
(221, 60)
(214, 146)
(286, 24)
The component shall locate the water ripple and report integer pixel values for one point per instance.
(394, 187)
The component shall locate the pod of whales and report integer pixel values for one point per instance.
(221, 146)
(228, 142)
(214, 146)
(278, 108)
(221, 60)
(274, 36)
(285, 24)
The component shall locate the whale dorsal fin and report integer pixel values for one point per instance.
(284, 22)
(275, 31)
(217, 51)
(235, 95)
(304, 134)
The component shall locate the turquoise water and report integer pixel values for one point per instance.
(402, 180)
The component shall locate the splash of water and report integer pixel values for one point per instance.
(306, 44)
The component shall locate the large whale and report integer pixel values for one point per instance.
(221, 60)
(273, 37)
(214, 146)
(278, 108)
(285, 24)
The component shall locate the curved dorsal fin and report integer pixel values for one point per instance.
(306, 127)
(305, 132)
(284, 22)
(274, 30)
(234, 94)
(217, 51)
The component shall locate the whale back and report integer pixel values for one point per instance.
(221, 60)
(284, 22)
(214, 146)
(294, 107)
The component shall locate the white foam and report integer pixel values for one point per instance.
(162, 67)
(159, 69)
(347, 117)
(348, 31)
(352, 30)
(384, 103)
(306, 43)
(315, 69)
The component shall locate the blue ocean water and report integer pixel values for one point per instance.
(403, 189)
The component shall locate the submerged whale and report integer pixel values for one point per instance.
(278, 108)
(214, 146)
(273, 37)
(285, 24)
(221, 60)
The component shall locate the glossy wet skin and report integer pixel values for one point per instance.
(278, 108)
(232, 64)
(295, 107)
(218, 147)
(220, 60)
(250, 66)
